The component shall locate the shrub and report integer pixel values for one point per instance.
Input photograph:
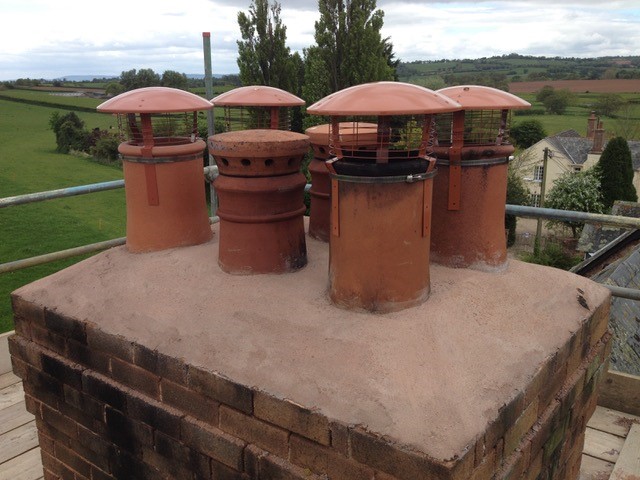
(527, 133)
(553, 255)
(106, 148)
(578, 192)
(71, 137)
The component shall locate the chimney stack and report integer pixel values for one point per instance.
(591, 125)
(598, 139)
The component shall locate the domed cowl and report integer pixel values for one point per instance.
(477, 97)
(155, 100)
(383, 98)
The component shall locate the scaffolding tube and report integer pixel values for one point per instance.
(68, 253)
(571, 216)
(60, 193)
(211, 172)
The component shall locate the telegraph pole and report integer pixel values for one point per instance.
(545, 160)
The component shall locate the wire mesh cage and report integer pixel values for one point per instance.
(164, 128)
(382, 138)
(237, 118)
(481, 127)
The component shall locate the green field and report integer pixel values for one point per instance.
(30, 164)
(576, 115)
(47, 97)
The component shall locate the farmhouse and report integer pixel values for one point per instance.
(567, 151)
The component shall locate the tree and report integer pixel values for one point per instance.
(173, 79)
(544, 92)
(579, 192)
(70, 132)
(558, 101)
(616, 173)
(527, 133)
(608, 104)
(263, 56)
(114, 88)
(349, 49)
(144, 77)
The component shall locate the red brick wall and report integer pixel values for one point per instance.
(109, 408)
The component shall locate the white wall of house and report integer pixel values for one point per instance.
(531, 168)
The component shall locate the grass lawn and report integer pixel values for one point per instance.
(29, 163)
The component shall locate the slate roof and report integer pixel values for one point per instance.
(617, 263)
(625, 313)
(594, 237)
(572, 145)
(634, 146)
(576, 148)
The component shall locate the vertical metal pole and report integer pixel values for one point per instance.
(208, 87)
(545, 159)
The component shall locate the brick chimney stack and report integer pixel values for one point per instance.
(598, 139)
(591, 125)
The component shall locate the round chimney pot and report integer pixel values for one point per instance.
(162, 164)
(261, 200)
(381, 195)
(470, 190)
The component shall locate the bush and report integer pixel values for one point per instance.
(579, 192)
(71, 137)
(558, 101)
(106, 148)
(553, 255)
(527, 133)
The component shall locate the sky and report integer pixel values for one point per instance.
(54, 39)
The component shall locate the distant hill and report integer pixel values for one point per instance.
(501, 70)
(89, 78)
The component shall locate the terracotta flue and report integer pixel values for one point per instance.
(470, 192)
(361, 136)
(257, 107)
(261, 200)
(381, 195)
(162, 163)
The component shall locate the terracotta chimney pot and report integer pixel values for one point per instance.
(164, 182)
(381, 196)
(261, 200)
(471, 187)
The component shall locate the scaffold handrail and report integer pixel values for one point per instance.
(211, 172)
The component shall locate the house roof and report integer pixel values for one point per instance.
(634, 146)
(595, 237)
(574, 147)
(625, 313)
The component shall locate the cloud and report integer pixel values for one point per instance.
(65, 39)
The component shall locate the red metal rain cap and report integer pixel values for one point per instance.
(383, 98)
(476, 97)
(257, 96)
(155, 100)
